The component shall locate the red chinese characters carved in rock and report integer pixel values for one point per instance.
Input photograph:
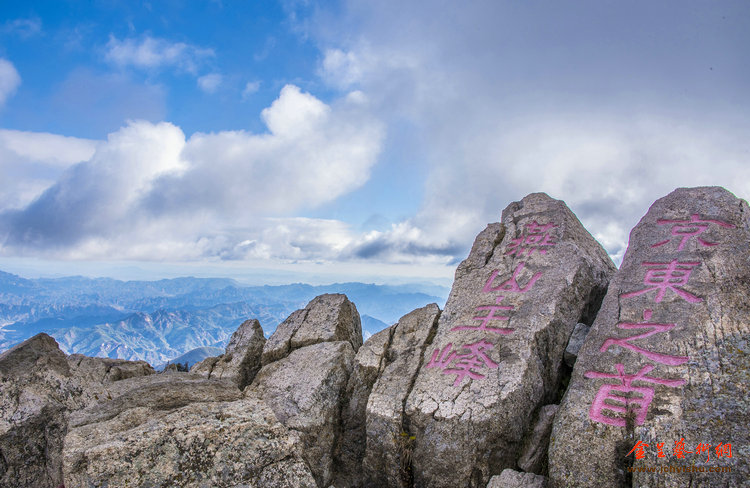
(685, 229)
(661, 277)
(486, 319)
(511, 284)
(624, 398)
(535, 238)
(655, 328)
(463, 364)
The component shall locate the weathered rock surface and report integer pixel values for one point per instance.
(166, 391)
(35, 391)
(327, 318)
(577, 338)
(241, 359)
(39, 385)
(533, 457)
(514, 479)
(368, 363)
(92, 375)
(209, 436)
(667, 359)
(499, 345)
(386, 460)
(306, 390)
(106, 370)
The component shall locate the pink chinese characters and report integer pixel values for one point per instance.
(463, 364)
(624, 398)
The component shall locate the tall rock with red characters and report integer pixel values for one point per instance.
(497, 356)
(662, 380)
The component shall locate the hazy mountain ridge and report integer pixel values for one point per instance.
(159, 320)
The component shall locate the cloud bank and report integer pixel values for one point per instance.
(606, 107)
(148, 193)
(462, 111)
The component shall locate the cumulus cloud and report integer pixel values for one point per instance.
(210, 83)
(31, 161)
(148, 193)
(152, 53)
(9, 80)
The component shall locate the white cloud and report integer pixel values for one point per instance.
(23, 27)
(9, 80)
(342, 69)
(210, 83)
(47, 148)
(148, 193)
(502, 101)
(153, 53)
(251, 87)
(30, 162)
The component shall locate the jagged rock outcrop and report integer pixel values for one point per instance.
(35, 392)
(307, 364)
(93, 375)
(241, 359)
(106, 370)
(306, 391)
(39, 386)
(497, 354)
(666, 362)
(181, 430)
(327, 318)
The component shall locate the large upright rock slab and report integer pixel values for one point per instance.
(497, 354)
(327, 318)
(241, 359)
(306, 367)
(666, 362)
(306, 391)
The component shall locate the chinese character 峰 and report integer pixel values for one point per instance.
(463, 364)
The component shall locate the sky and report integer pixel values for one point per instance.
(350, 140)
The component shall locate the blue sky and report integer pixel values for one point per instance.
(322, 141)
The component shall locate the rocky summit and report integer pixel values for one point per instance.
(548, 367)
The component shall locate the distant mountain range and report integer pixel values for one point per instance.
(157, 321)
